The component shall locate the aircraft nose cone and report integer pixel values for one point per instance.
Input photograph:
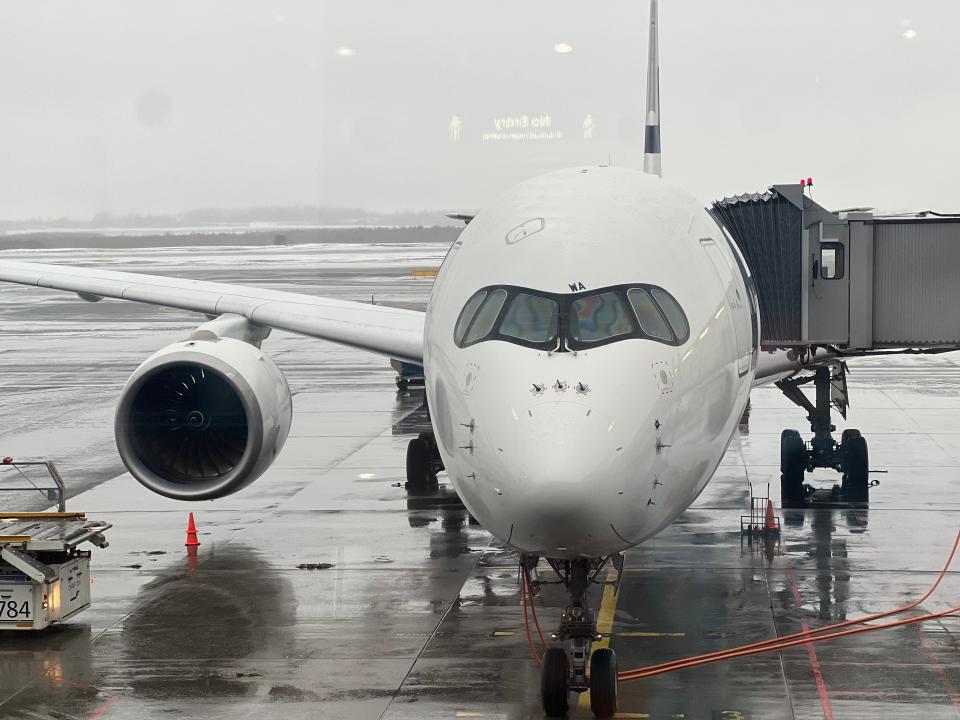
(564, 453)
(563, 442)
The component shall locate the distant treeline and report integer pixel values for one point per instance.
(53, 239)
(233, 216)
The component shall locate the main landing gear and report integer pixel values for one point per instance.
(564, 667)
(849, 456)
(423, 463)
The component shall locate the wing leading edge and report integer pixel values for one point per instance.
(394, 332)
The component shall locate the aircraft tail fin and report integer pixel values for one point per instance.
(651, 145)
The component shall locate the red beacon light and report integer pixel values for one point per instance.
(809, 182)
(803, 183)
(6, 460)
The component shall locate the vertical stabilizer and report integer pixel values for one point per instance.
(651, 144)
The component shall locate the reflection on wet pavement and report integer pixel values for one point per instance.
(325, 590)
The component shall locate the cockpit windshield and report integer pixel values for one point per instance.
(532, 318)
(578, 321)
(599, 317)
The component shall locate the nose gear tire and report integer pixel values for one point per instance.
(554, 676)
(603, 683)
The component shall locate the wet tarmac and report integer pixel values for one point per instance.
(404, 608)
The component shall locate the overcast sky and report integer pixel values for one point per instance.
(166, 105)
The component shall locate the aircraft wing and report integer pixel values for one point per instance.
(394, 332)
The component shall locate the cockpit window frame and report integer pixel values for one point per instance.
(564, 341)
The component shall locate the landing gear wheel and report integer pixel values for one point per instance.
(420, 477)
(793, 464)
(856, 466)
(553, 682)
(603, 683)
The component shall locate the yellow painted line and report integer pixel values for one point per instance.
(424, 273)
(608, 606)
(651, 634)
(503, 633)
(631, 715)
(464, 713)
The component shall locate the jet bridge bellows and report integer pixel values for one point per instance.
(853, 280)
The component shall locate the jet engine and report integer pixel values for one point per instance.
(203, 418)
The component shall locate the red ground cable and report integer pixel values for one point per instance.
(807, 636)
(693, 662)
(526, 622)
(533, 611)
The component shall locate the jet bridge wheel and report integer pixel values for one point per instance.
(603, 683)
(420, 475)
(793, 464)
(554, 676)
(855, 465)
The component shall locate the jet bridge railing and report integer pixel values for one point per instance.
(16, 476)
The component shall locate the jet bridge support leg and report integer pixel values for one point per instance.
(849, 456)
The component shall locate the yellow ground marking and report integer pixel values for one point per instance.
(608, 606)
(464, 713)
(631, 715)
(651, 634)
(503, 633)
(424, 273)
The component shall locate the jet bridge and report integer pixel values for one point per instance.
(852, 280)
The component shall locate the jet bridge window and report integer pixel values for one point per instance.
(831, 260)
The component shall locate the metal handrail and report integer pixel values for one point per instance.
(61, 489)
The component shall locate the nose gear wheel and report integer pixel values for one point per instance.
(564, 666)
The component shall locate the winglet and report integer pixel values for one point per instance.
(651, 146)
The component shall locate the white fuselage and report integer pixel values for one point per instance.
(624, 436)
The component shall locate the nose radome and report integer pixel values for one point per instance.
(562, 450)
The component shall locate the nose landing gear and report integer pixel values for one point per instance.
(565, 663)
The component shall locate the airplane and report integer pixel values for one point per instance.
(588, 349)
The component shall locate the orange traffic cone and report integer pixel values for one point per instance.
(771, 522)
(192, 540)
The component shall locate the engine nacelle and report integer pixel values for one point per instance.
(203, 418)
